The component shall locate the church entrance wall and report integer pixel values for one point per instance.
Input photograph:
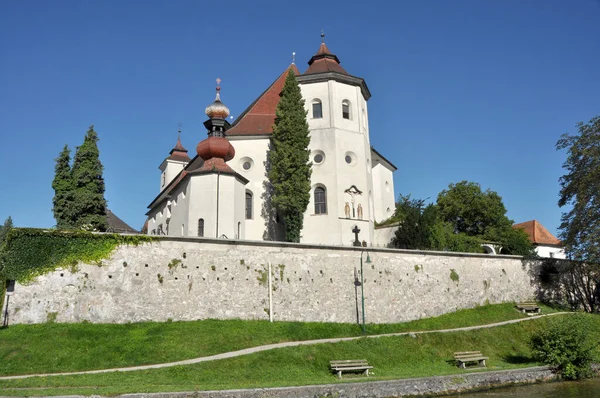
(189, 279)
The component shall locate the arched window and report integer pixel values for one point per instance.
(317, 109)
(346, 109)
(201, 227)
(320, 201)
(248, 205)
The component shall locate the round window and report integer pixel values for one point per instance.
(246, 163)
(318, 158)
(348, 159)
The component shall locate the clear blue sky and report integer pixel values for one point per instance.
(462, 90)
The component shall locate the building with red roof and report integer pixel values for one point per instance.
(352, 183)
(546, 244)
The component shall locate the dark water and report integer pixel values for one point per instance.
(567, 389)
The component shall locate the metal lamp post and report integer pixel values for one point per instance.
(362, 287)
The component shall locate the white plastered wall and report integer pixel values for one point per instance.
(337, 137)
(550, 251)
(203, 188)
(169, 170)
(383, 192)
(253, 150)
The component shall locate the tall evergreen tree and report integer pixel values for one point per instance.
(89, 203)
(289, 170)
(4, 229)
(62, 204)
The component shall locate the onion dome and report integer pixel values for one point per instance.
(215, 147)
(217, 109)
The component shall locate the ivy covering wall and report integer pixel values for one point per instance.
(29, 252)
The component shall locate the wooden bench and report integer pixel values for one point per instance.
(462, 358)
(350, 365)
(529, 307)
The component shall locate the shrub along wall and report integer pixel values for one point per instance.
(30, 252)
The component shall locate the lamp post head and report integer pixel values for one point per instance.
(368, 259)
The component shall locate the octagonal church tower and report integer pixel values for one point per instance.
(351, 183)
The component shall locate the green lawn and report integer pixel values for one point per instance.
(50, 347)
(54, 347)
(392, 357)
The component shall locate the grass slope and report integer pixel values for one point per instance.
(392, 357)
(25, 349)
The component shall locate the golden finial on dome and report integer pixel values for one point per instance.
(217, 109)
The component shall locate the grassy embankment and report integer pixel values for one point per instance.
(53, 347)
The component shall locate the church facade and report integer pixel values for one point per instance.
(223, 191)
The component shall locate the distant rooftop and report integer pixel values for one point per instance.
(116, 225)
(537, 233)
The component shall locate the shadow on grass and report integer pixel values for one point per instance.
(518, 359)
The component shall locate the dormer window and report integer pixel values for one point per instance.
(346, 109)
(317, 109)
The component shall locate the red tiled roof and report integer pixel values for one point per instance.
(259, 117)
(179, 153)
(215, 164)
(324, 61)
(537, 233)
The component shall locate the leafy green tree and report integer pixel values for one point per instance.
(580, 189)
(62, 184)
(89, 204)
(470, 210)
(290, 170)
(473, 212)
(567, 344)
(416, 223)
(443, 238)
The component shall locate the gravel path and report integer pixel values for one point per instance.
(267, 347)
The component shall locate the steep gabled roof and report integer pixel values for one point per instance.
(116, 225)
(537, 233)
(259, 117)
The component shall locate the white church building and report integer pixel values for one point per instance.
(223, 191)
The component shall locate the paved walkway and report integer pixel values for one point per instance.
(267, 347)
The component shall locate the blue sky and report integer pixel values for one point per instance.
(462, 90)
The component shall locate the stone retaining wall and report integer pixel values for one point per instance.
(188, 279)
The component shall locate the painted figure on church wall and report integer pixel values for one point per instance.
(347, 210)
(360, 211)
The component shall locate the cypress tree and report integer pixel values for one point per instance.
(88, 183)
(62, 204)
(289, 170)
(4, 229)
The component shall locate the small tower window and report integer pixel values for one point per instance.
(346, 109)
(317, 109)
(201, 227)
(320, 201)
(248, 205)
(163, 179)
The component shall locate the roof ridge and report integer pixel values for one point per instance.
(268, 112)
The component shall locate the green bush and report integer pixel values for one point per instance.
(566, 344)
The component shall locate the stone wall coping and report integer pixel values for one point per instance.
(263, 243)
